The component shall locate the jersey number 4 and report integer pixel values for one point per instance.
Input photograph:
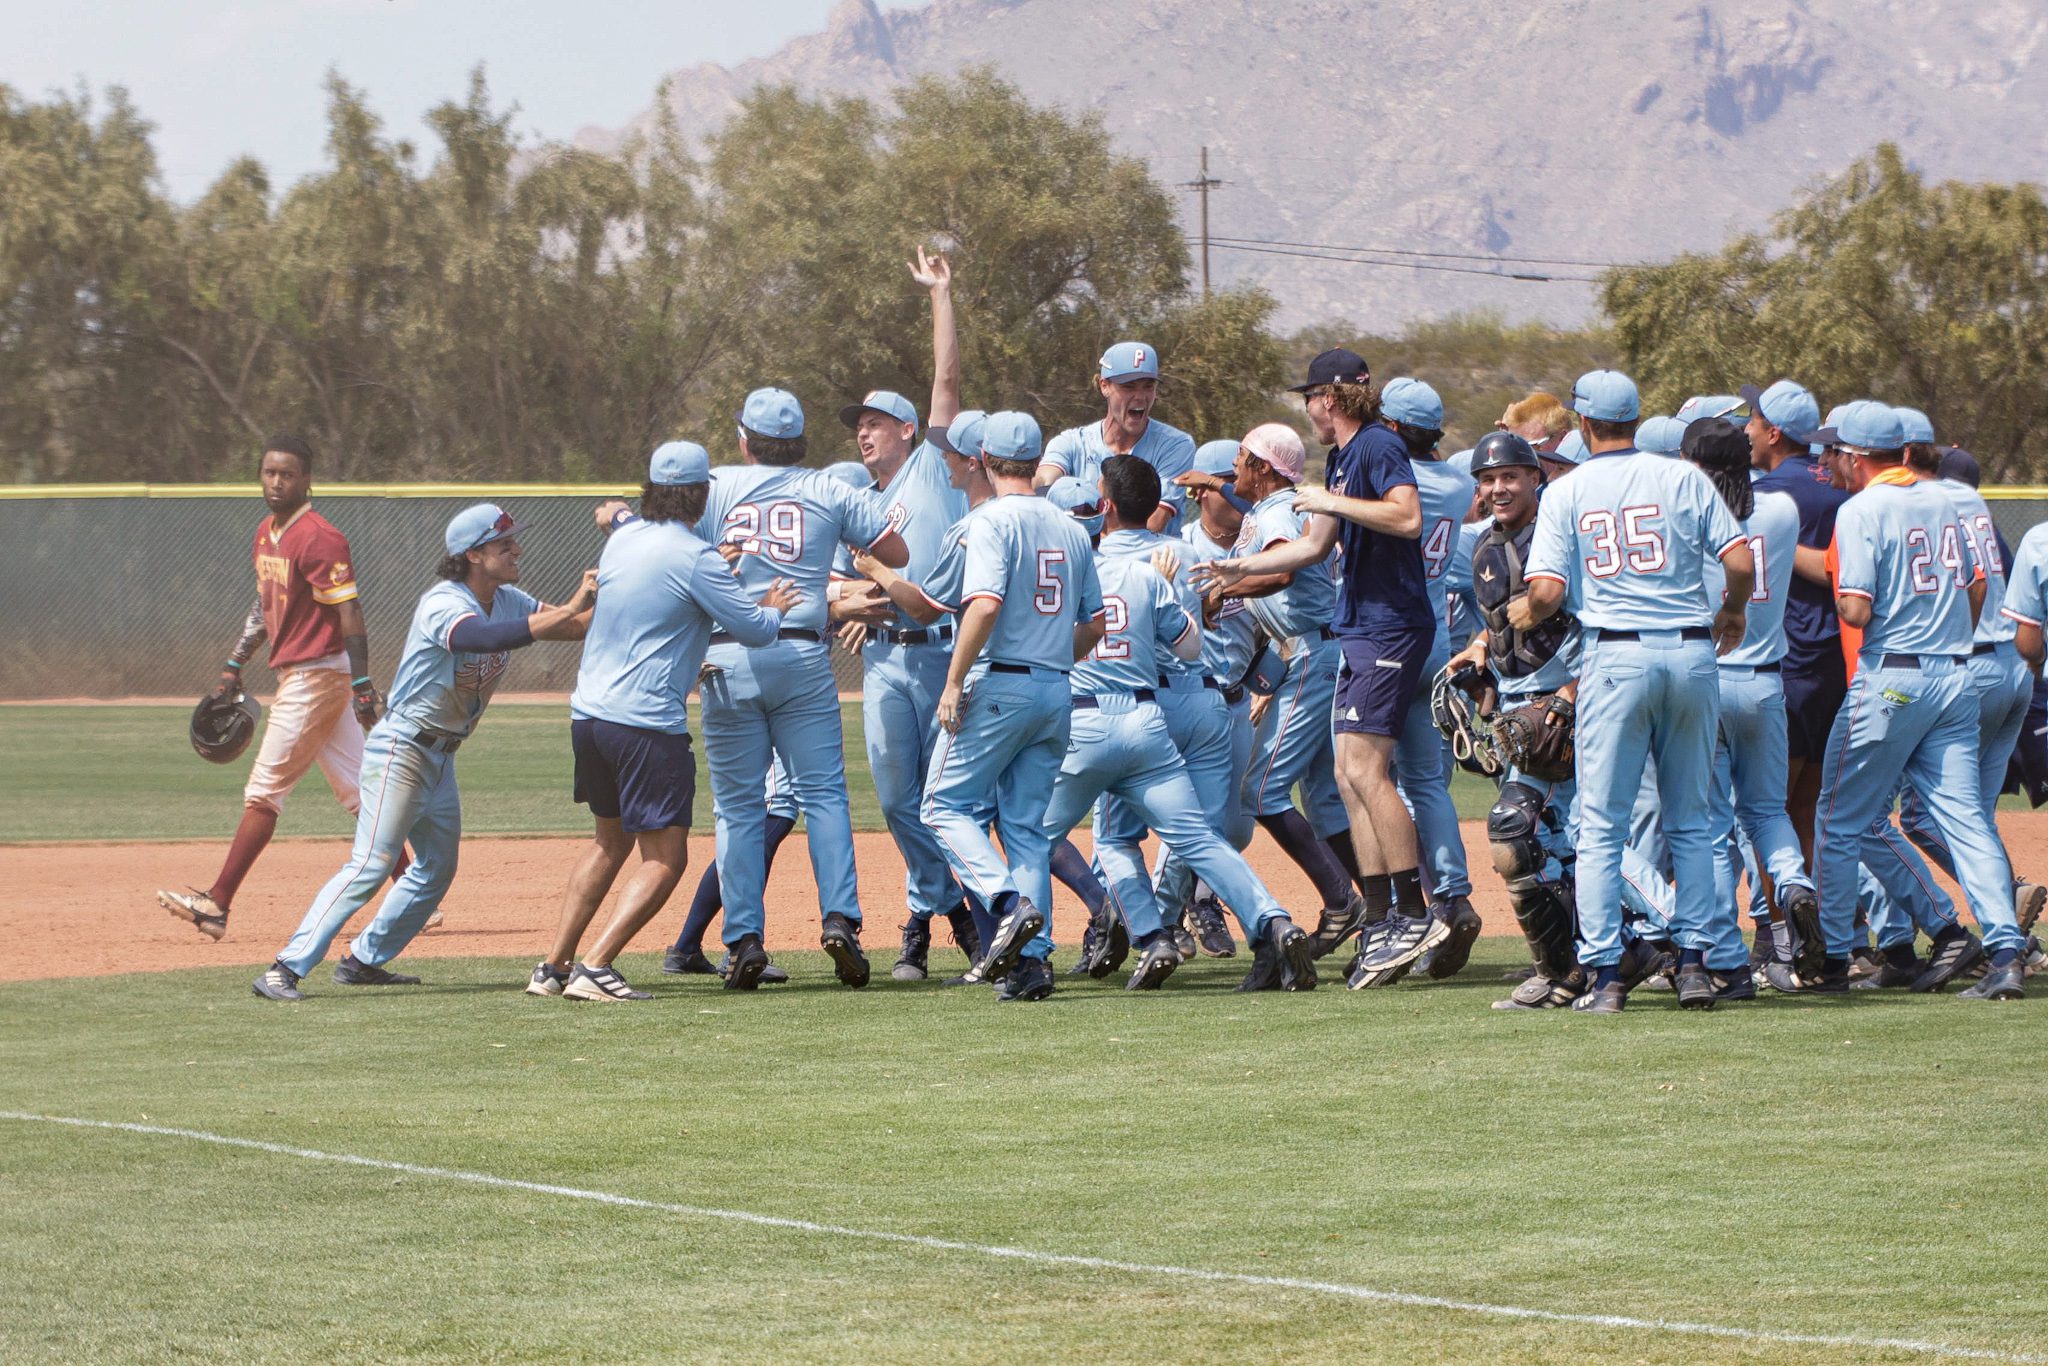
(1921, 556)
(1639, 544)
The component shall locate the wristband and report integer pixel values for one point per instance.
(233, 666)
(623, 516)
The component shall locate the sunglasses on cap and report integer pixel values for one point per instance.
(498, 528)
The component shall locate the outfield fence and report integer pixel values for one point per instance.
(123, 590)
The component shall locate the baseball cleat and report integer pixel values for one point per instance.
(1607, 1000)
(278, 983)
(1406, 940)
(1212, 936)
(771, 976)
(1890, 974)
(1999, 984)
(1778, 977)
(587, 983)
(912, 962)
(1832, 981)
(1696, 990)
(1295, 952)
(1338, 924)
(1736, 984)
(1155, 965)
(1030, 980)
(1540, 993)
(1953, 950)
(840, 938)
(351, 973)
(687, 962)
(1448, 959)
(1018, 927)
(434, 921)
(547, 980)
(1862, 962)
(1265, 973)
(1105, 946)
(965, 935)
(1802, 914)
(1183, 937)
(1641, 959)
(198, 909)
(749, 960)
(2028, 900)
(2034, 955)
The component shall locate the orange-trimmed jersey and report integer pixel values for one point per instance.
(303, 573)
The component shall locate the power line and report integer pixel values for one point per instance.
(1433, 255)
(1201, 186)
(1528, 276)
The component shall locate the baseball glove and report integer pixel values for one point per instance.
(1529, 739)
(1452, 699)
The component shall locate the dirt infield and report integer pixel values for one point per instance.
(72, 910)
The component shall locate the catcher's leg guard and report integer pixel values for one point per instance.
(1542, 908)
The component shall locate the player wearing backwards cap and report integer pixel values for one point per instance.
(1120, 745)
(1292, 744)
(455, 652)
(660, 592)
(1749, 756)
(1127, 376)
(306, 607)
(1626, 547)
(781, 697)
(1909, 580)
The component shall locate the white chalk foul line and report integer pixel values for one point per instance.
(1036, 1258)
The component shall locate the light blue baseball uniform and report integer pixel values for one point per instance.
(1629, 535)
(789, 522)
(1911, 711)
(1422, 761)
(903, 673)
(1120, 746)
(1023, 553)
(1080, 451)
(408, 790)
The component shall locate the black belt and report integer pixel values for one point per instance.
(1233, 695)
(1085, 701)
(1984, 647)
(1913, 661)
(721, 638)
(1686, 633)
(1000, 668)
(1771, 668)
(1166, 681)
(440, 744)
(920, 636)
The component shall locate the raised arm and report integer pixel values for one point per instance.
(935, 273)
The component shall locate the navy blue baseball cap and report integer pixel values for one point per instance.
(679, 462)
(884, 401)
(1959, 465)
(772, 412)
(962, 436)
(479, 526)
(1339, 365)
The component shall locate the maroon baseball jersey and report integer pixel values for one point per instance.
(302, 574)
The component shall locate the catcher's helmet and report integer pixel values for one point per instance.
(1503, 450)
(1458, 721)
(223, 726)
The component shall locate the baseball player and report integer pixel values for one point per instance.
(1127, 377)
(1910, 582)
(1626, 548)
(462, 633)
(781, 697)
(307, 608)
(661, 590)
(686, 955)
(1121, 745)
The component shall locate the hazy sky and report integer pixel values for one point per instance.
(221, 78)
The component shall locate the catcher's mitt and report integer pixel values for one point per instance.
(1527, 738)
(222, 727)
(1458, 703)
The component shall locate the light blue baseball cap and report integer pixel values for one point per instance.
(1660, 435)
(772, 412)
(1080, 501)
(962, 436)
(1708, 405)
(1011, 436)
(851, 473)
(884, 401)
(1605, 396)
(1817, 446)
(1571, 450)
(1787, 406)
(1919, 429)
(679, 462)
(478, 526)
(1413, 403)
(1219, 458)
(1867, 425)
(1129, 360)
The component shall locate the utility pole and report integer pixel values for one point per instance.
(1202, 186)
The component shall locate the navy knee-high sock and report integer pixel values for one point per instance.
(710, 897)
(1347, 855)
(1291, 831)
(1073, 871)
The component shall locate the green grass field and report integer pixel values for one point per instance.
(1859, 1168)
(128, 773)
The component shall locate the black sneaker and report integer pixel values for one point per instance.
(1212, 936)
(1018, 927)
(1030, 980)
(965, 935)
(1155, 965)
(1406, 940)
(840, 938)
(1802, 914)
(1087, 958)
(2000, 984)
(1265, 973)
(1338, 924)
(1105, 946)
(1449, 958)
(748, 961)
(911, 963)
(1953, 950)
(1696, 990)
(687, 962)
(350, 973)
(278, 983)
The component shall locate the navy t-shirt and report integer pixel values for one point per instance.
(1813, 631)
(1381, 585)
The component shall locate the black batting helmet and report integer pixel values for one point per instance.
(223, 726)
(1503, 450)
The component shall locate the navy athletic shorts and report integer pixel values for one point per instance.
(1378, 680)
(1813, 694)
(644, 779)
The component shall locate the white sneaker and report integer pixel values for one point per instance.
(601, 984)
(547, 980)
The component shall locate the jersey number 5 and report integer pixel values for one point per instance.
(1051, 596)
(1640, 544)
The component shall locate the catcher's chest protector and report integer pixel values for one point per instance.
(1497, 578)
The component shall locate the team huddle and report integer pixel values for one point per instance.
(1705, 658)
